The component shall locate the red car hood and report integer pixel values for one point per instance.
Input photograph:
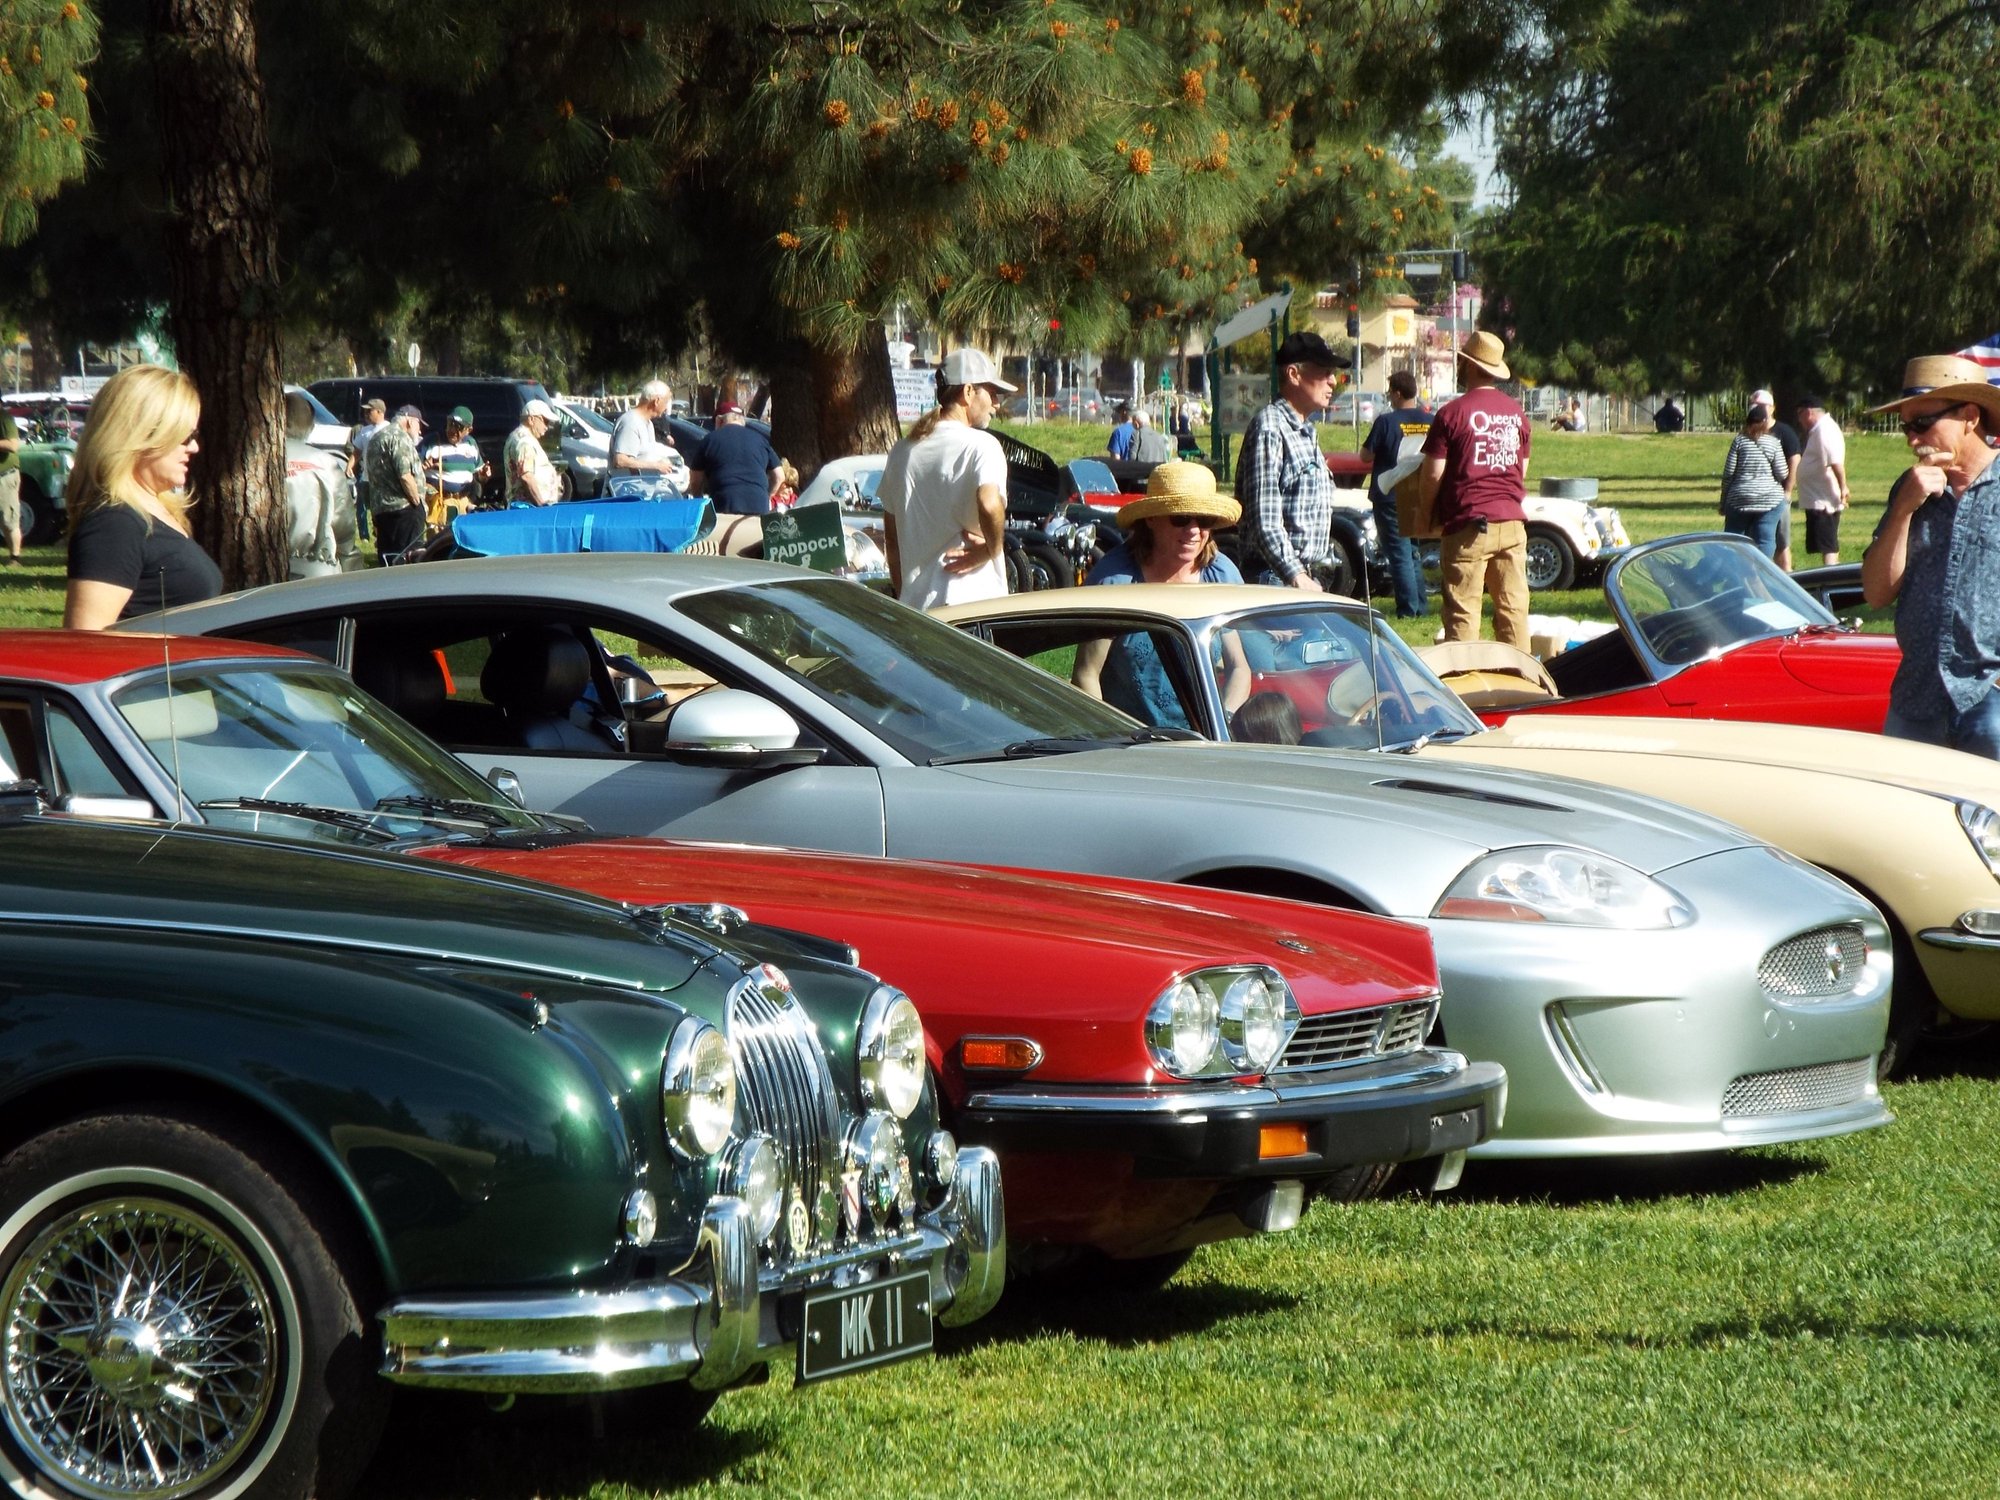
(1853, 666)
(1070, 961)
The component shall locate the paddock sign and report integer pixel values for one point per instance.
(809, 536)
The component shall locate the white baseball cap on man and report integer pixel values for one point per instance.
(539, 408)
(972, 367)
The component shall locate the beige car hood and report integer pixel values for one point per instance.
(1838, 752)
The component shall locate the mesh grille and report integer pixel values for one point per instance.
(1791, 1091)
(1356, 1035)
(1823, 964)
(782, 1082)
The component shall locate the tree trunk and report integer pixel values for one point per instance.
(856, 399)
(794, 432)
(222, 261)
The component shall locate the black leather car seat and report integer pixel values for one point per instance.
(537, 676)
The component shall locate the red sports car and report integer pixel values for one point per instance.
(1159, 1067)
(1710, 628)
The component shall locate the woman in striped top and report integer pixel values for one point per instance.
(1753, 482)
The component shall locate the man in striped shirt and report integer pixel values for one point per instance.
(1281, 476)
(459, 470)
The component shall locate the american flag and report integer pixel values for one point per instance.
(1987, 353)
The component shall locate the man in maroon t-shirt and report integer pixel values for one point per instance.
(1476, 470)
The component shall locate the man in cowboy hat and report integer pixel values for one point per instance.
(1169, 538)
(1934, 555)
(1281, 476)
(1475, 471)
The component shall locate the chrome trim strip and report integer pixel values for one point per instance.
(327, 940)
(975, 1270)
(1951, 937)
(729, 1236)
(1277, 1089)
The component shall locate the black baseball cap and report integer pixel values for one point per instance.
(1809, 403)
(1310, 349)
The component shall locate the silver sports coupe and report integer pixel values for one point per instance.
(1652, 979)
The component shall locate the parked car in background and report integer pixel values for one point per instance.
(1709, 627)
(496, 405)
(1569, 542)
(1821, 794)
(285, 1125)
(1610, 942)
(45, 471)
(1077, 1026)
(586, 450)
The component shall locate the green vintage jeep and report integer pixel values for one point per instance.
(45, 467)
(280, 1126)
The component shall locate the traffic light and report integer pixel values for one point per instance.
(1458, 266)
(1353, 321)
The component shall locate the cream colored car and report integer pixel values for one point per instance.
(1914, 828)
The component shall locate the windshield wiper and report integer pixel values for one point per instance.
(333, 817)
(1434, 737)
(490, 814)
(1157, 735)
(1032, 749)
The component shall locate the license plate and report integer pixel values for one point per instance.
(870, 1324)
(1455, 1131)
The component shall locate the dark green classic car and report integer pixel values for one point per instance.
(279, 1126)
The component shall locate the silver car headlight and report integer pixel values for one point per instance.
(698, 1089)
(889, 1048)
(591, 461)
(864, 554)
(1556, 883)
(1982, 825)
(756, 1174)
(1221, 1022)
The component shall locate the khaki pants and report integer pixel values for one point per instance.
(1475, 563)
(10, 503)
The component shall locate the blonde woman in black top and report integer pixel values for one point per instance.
(129, 547)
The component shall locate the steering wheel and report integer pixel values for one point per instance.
(1351, 695)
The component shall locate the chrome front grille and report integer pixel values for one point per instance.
(1352, 1036)
(1823, 964)
(782, 1083)
(1793, 1091)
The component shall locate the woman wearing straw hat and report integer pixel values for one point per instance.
(1936, 554)
(1169, 538)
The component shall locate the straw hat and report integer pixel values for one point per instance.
(1487, 352)
(1179, 488)
(1945, 377)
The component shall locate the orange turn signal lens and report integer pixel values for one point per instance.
(998, 1054)
(1275, 1141)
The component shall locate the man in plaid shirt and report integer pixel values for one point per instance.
(1281, 476)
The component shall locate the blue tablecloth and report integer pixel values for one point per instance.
(584, 526)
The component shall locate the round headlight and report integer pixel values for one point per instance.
(698, 1089)
(756, 1174)
(943, 1157)
(1183, 1028)
(890, 1047)
(1253, 1021)
(875, 1150)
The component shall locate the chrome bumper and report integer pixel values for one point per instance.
(708, 1326)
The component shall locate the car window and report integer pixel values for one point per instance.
(318, 637)
(80, 767)
(673, 676)
(923, 687)
(19, 760)
(1147, 673)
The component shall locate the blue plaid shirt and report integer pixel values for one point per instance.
(1287, 493)
(1948, 609)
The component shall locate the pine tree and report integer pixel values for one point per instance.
(46, 47)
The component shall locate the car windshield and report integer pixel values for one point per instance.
(925, 689)
(1706, 594)
(1317, 663)
(278, 749)
(595, 421)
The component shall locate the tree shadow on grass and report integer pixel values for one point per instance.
(1718, 1333)
(450, 1447)
(1629, 1179)
(1121, 1319)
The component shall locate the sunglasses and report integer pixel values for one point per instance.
(1913, 426)
(1206, 523)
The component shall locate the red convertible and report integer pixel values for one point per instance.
(1710, 628)
(1158, 1067)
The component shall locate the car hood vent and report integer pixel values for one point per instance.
(1469, 793)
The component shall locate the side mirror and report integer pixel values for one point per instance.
(108, 807)
(728, 727)
(508, 785)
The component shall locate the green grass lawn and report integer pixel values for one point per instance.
(1816, 1321)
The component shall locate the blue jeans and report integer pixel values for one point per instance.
(1406, 575)
(1761, 526)
(1975, 731)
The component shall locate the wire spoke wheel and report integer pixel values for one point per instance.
(141, 1350)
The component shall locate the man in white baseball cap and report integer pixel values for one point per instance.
(944, 492)
(1789, 440)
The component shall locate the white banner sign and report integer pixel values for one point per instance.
(916, 392)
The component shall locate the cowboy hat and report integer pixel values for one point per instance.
(1945, 377)
(1179, 488)
(1485, 351)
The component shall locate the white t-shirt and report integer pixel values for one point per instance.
(632, 435)
(1825, 444)
(932, 490)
